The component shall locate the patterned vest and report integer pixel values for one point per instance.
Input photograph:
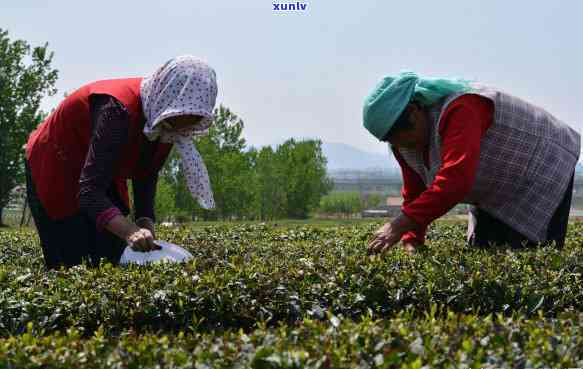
(527, 159)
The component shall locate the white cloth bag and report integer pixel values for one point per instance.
(169, 252)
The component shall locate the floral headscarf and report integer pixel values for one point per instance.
(183, 86)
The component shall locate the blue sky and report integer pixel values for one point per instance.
(306, 74)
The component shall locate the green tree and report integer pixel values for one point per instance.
(182, 202)
(345, 203)
(230, 167)
(372, 200)
(271, 184)
(302, 167)
(230, 170)
(26, 76)
(249, 183)
(165, 204)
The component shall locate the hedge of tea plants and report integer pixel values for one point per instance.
(265, 296)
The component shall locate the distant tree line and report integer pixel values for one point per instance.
(248, 183)
(347, 204)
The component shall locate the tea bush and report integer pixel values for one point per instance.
(297, 296)
(457, 340)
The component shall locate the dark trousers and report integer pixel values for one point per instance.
(72, 240)
(488, 230)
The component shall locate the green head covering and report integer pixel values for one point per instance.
(391, 96)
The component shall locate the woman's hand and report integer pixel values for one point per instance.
(147, 223)
(385, 237)
(390, 234)
(138, 237)
(142, 240)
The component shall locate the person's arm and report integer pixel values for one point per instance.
(402, 227)
(144, 200)
(413, 187)
(110, 122)
(462, 127)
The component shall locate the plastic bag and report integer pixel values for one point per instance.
(169, 253)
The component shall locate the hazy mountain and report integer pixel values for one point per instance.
(343, 156)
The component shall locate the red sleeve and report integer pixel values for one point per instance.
(461, 128)
(413, 187)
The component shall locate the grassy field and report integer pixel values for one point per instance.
(295, 295)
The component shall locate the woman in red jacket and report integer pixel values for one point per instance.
(79, 159)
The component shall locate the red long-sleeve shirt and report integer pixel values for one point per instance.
(461, 128)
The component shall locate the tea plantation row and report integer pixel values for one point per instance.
(406, 341)
(299, 296)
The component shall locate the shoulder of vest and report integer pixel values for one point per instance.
(126, 90)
